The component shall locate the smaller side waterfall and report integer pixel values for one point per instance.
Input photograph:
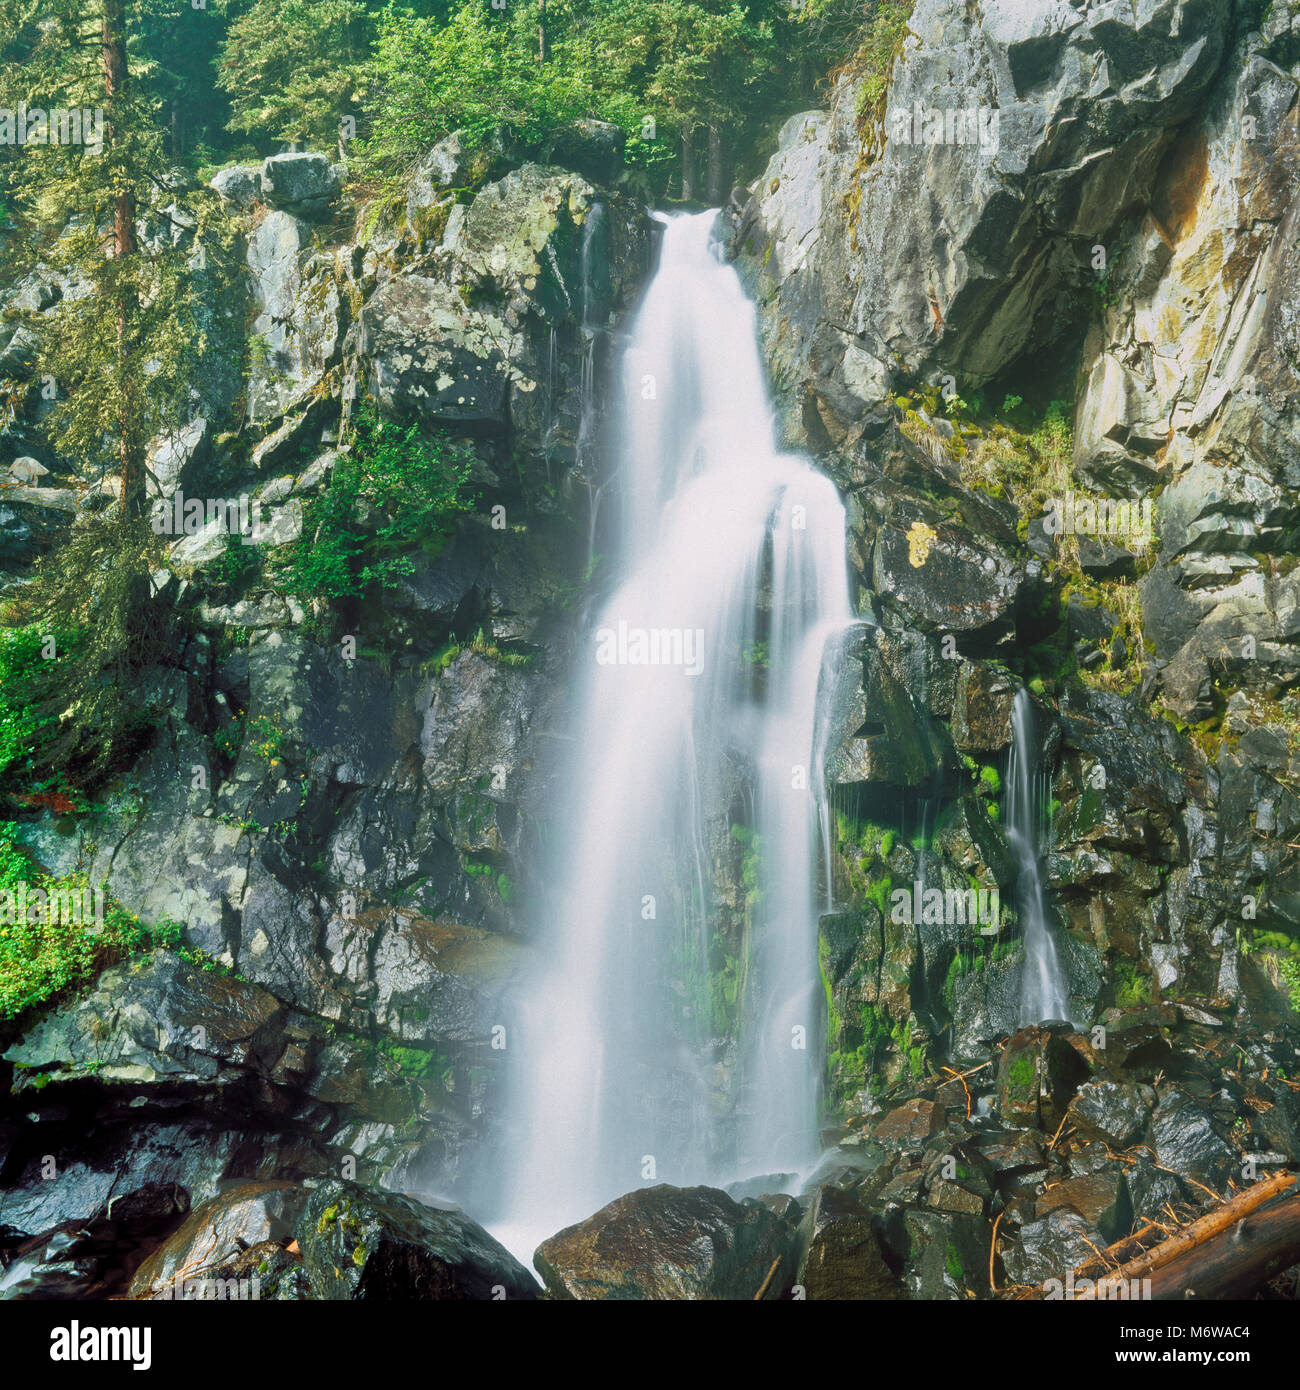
(1044, 990)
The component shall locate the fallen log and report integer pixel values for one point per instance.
(1236, 1261)
(1142, 1260)
(1206, 1228)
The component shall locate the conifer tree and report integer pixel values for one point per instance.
(139, 260)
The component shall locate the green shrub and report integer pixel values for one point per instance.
(27, 683)
(80, 714)
(41, 959)
(414, 487)
(236, 564)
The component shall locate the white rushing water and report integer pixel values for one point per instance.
(698, 701)
(1044, 990)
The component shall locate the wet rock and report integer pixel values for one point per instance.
(1047, 1248)
(910, 1125)
(215, 1232)
(1014, 1154)
(946, 1254)
(94, 1259)
(1114, 1113)
(1187, 1142)
(670, 1243)
(904, 1189)
(887, 735)
(441, 980)
(843, 1258)
(981, 721)
(369, 1245)
(946, 580)
(1101, 1198)
(1152, 1191)
(1139, 1050)
(986, 1005)
(952, 1195)
(161, 1020)
(1038, 1074)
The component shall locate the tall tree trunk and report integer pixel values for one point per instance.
(714, 176)
(130, 459)
(541, 32)
(688, 161)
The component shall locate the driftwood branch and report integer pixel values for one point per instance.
(1230, 1250)
(1236, 1261)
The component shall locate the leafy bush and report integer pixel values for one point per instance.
(41, 959)
(81, 713)
(27, 683)
(474, 72)
(413, 487)
(236, 564)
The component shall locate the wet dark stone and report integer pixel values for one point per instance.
(946, 1254)
(362, 1244)
(216, 1231)
(1151, 1190)
(843, 1259)
(911, 1124)
(670, 1243)
(1186, 1141)
(1111, 1112)
(1049, 1247)
(1100, 1198)
(94, 1259)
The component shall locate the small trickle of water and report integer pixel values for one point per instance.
(1044, 989)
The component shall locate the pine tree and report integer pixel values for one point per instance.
(140, 260)
(293, 69)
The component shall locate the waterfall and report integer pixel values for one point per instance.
(698, 702)
(1044, 990)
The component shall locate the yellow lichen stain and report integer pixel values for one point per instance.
(920, 538)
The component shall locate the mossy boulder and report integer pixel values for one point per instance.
(361, 1244)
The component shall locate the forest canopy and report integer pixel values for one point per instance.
(703, 80)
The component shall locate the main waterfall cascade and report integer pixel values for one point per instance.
(700, 700)
(1044, 990)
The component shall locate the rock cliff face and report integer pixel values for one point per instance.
(1118, 223)
(1093, 205)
